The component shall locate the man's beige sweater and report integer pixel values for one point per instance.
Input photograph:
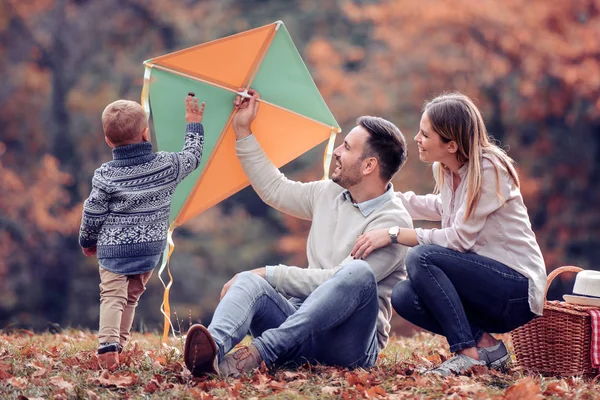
(336, 223)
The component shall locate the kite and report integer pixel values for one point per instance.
(292, 117)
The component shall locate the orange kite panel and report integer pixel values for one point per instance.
(227, 61)
(275, 129)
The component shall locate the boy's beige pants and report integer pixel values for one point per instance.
(119, 296)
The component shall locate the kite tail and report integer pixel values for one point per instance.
(165, 307)
(146, 91)
(328, 154)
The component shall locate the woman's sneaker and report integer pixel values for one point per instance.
(496, 357)
(459, 364)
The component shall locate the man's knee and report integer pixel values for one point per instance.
(357, 273)
(249, 279)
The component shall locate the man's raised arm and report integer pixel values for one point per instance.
(290, 197)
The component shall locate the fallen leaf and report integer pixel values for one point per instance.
(151, 387)
(276, 385)
(120, 380)
(524, 389)
(377, 391)
(19, 383)
(330, 390)
(559, 389)
(353, 379)
(289, 375)
(40, 370)
(4, 375)
(91, 395)
(60, 382)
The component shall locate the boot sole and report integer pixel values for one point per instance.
(200, 351)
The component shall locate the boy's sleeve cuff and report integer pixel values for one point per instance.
(195, 127)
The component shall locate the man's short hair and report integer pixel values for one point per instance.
(386, 143)
(123, 122)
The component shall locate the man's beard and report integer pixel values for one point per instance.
(349, 178)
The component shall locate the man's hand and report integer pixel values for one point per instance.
(89, 251)
(246, 110)
(193, 113)
(262, 272)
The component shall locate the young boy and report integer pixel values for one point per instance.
(126, 217)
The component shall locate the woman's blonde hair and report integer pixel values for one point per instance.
(455, 117)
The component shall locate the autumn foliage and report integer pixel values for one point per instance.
(532, 66)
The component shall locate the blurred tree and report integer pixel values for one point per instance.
(64, 60)
(534, 67)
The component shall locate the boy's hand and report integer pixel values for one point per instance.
(89, 251)
(193, 113)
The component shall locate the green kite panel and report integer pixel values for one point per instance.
(284, 80)
(167, 99)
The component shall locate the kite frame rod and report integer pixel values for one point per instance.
(333, 128)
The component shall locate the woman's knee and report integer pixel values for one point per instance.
(415, 259)
(403, 298)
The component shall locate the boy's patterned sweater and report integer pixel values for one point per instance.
(127, 212)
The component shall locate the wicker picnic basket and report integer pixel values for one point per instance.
(558, 343)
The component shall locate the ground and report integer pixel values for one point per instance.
(64, 366)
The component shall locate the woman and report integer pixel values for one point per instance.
(483, 270)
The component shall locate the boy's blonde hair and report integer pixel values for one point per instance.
(123, 122)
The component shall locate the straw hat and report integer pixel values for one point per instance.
(586, 291)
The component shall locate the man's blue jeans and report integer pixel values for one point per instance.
(335, 325)
(461, 295)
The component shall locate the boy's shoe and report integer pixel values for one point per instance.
(242, 361)
(496, 357)
(458, 365)
(108, 355)
(200, 351)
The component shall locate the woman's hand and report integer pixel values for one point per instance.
(370, 241)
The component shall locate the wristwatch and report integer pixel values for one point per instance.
(393, 232)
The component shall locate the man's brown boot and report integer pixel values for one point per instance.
(241, 361)
(200, 351)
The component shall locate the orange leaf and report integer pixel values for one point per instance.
(330, 390)
(377, 391)
(120, 380)
(525, 388)
(560, 389)
(60, 382)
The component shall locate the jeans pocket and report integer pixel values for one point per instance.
(517, 313)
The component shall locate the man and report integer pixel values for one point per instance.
(336, 311)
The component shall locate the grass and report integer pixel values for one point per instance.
(64, 366)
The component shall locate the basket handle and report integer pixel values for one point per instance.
(556, 272)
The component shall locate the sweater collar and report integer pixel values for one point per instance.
(132, 150)
(368, 206)
(132, 154)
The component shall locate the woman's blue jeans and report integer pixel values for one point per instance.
(335, 325)
(461, 295)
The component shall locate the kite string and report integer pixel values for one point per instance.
(165, 307)
(328, 154)
(146, 91)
